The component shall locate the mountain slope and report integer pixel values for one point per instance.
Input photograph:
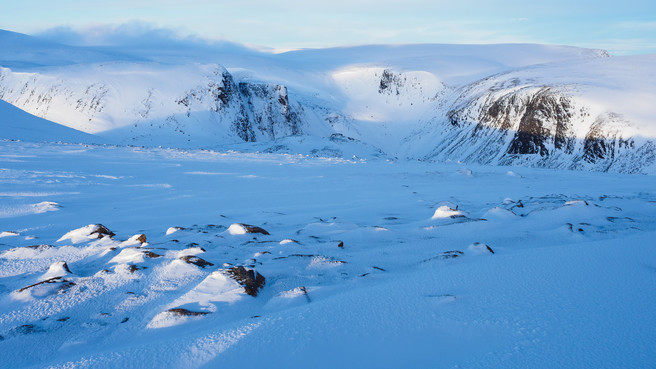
(591, 115)
(149, 103)
(513, 104)
(16, 124)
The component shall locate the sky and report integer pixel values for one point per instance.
(627, 27)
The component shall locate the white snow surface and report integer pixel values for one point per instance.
(446, 211)
(570, 282)
(391, 244)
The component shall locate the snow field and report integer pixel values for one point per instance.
(358, 270)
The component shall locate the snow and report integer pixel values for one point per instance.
(236, 228)
(570, 273)
(58, 269)
(172, 230)
(81, 234)
(396, 99)
(375, 258)
(7, 211)
(128, 256)
(446, 211)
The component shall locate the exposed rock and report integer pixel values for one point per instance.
(39, 247)
(133, 268)
(267, 112)
(26, 329)
(191, 259)
(139, 237)
(248, 278)
(390, 83)
(446, 255)
(546, 118)
(241, 228)
(340, 244)
(450, 254)
(86, 233)
(185, 312)
(151, 254)
(66, 268)
(305, 293)
(509, 121)
(57, 269)
(480, 248)
(303, 255)
(102, 231)
(65, 284)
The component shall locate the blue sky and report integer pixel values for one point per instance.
(627, 27)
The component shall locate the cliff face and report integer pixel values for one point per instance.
(511, 122)
(271, 115)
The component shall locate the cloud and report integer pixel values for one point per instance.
(136, 34)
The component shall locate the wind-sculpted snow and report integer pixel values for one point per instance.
(281, 260)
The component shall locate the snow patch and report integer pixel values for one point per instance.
(446, 211)
(7, 211)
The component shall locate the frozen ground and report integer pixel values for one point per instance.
(571, 281)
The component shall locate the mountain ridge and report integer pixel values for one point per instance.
(507, 104)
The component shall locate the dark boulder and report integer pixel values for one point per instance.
(254, 229)
(248, 278)
(185, 312)
(191, 259)
(101, 231)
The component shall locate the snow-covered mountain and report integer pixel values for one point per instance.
(590, 115)
(536, 105)
(149, 103)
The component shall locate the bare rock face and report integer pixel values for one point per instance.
(185, 312)
(191, 259)
(508, 121)
(102, 231)
(249, 278)
(545, 122)
(268, 111)
(390, 83)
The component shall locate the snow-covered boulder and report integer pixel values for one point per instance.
(86, 233)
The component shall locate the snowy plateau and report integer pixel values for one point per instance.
(387, 206)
